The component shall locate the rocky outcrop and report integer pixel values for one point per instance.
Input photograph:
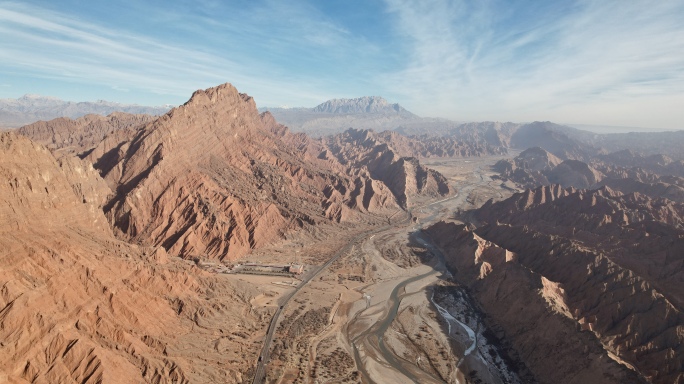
(535, 167)
(528, 169)
(600, 268)
(215, 178)
(550, 137)
(553, 206)
(574, 173)
(626, 172)
(656, 176)
(77, 136)
(78, 305)
(519, 307)
(658, 189)
(658, 164)
(435, 146)
(37, 182)
(404, 176)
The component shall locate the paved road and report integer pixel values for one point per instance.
(264, 356)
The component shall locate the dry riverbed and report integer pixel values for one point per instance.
(380, 314)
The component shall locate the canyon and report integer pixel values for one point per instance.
(431, 251)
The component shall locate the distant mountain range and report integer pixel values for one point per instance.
(376, 113)
(31, 108)
(359, 105)
(562, 282)
(367, 104)
(337, 115)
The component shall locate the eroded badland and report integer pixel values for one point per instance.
(136, 249)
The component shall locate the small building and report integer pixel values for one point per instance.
(297, 269)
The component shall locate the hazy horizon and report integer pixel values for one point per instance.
(595, 128)
(597, 63)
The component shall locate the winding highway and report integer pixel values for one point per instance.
(374, 336)
(264, 356)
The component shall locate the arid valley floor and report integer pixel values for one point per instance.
(379, 289)
(168, 249)
(340, 192)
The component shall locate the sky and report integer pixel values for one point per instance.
(617, 63)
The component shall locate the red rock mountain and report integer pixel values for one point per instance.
(76, 136)
(626, 171)
(404, 176)
(215, 178)
(658, 163)
(576, 280)
(438, 146)
(78, 305)
(536, 166)
(656, 176)
(528, 169)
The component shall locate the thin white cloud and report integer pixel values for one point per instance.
(608, 62)
(468, 64)
(55, 46)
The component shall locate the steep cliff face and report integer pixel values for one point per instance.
(215, 178)
(521, 306)
(37, 182)
(82, 134)
(600, 270)
(656, 176)
(205, 179)
(658, 164)
(429, 147)
(78, 305)
(536, 166)
(404, 176)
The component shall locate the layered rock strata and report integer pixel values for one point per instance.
(583, 284)
(78, 305)
(215, 178)
(79, 135)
